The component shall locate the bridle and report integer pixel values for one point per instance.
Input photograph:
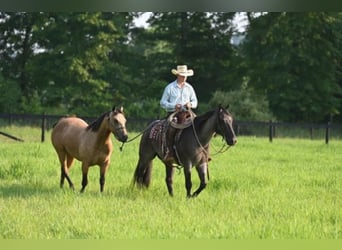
(222, 150)
(224, 147)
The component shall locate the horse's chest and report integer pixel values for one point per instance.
(97, 154)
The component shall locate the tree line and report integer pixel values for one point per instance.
(286, 66)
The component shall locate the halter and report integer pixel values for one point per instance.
(111, 124)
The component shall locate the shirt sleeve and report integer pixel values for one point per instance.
(164, 101)
(193, 98)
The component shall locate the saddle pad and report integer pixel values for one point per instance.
(156, 131)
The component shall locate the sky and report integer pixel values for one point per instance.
(240, 20)
(141, 21)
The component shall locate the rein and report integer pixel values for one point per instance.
(223, 149)
(196, 136)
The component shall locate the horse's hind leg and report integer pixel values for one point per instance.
(169, 178)
(65, 161)
(70, 160)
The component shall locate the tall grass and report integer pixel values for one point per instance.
(287, 189)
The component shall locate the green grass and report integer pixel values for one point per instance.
(287, 189)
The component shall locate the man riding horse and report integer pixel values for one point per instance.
(178, 96)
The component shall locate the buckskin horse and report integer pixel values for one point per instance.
(91, 144)
(191, 148)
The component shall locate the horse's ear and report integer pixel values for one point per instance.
(227, 106)
(119, 109)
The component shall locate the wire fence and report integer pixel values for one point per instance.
(270, 129)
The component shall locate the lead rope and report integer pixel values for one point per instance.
(135, 137)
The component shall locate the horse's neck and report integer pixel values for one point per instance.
(206, 130)
(103, 133)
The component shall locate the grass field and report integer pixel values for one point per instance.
(287, 189)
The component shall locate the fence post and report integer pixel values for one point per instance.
(43, 127)
(270, 131)
(274, 130)
(327, 133)
(237, 129)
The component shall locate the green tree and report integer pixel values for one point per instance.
(63, 59)
(10, 95)
(78, 48)
(245, 104)
(17, 45)
(293, 58)
(199, 39)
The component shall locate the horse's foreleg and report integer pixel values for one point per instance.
(202, 173)
(103, 171)
(169, 179)
(85, 168)
(188, 183)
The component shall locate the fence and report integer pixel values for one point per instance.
(270, 129)
(283, 129)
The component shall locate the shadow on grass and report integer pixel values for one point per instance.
(127, 192)
(25, 190)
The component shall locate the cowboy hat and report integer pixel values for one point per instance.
(182, 70)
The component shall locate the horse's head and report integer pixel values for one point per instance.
(117, 124)
(225, 126)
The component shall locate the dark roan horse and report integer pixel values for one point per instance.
(191, 149)
(91, 144)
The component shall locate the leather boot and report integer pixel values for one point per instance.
(170, 136)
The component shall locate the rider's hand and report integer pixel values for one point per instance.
(188, 105)
(178, 107)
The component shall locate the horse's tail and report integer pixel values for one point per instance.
(142, 174)
(143, 171)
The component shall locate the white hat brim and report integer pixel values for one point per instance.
(189, 72)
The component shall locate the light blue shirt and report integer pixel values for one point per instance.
(173, 94)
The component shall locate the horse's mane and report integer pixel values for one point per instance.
(202, 118)
(95, 125)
